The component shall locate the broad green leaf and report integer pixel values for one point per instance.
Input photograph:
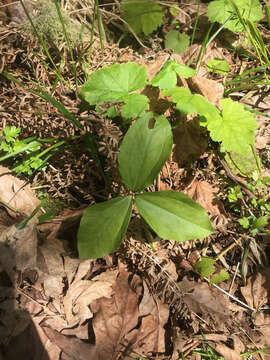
(192, 103)
(236, 128)
(176, 41)
(220, 277)
(113, 83)
(167, 77)
(11, 132)
(142, 15)
(135, 106)
(103, 227)
(221, 10)
(144, 151)
(205, 266)
(218, 66)
(173, 215)
(245, 165)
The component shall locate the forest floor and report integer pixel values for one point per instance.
(148, 300)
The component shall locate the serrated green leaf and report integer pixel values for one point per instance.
(218, 278)
(176, 41)
(11, 132)
(142, 15)
(245, 165)
(192, 103)
(221, 10)
(205, 266)
(173, 215)
(144, 151)
(135, 106)
(217, 66)
(235, 129)
(167, 77)
(113, 83)
(260, 222)
(103, 227)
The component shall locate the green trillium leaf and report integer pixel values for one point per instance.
(173, 215)
(144, 151)
(103, 227)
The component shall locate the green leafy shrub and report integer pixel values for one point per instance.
(145, 149)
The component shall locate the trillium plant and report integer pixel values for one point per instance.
(144, 150)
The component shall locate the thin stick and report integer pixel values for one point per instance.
(232, 297)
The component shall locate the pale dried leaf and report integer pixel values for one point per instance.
(16, 193)
(53, 285)
(79, 297)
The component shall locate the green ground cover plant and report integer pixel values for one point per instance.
(145, 149)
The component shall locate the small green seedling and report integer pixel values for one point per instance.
(30, 154)
(205, 268)
(254, 213)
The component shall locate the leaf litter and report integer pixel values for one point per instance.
(91, 309)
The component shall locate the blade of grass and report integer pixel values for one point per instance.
(100, 32)
(45, 96)
(67, 40)
(39, 37)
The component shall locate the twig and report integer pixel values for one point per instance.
(232, 297)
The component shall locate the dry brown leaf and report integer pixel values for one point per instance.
(18, 248)
(225, 351)
(115, 317)
(256, 290)
(76, 349)
(206, 195)
(154, 315)
(16, 193)
(79, 297)
(205, 300)
(189, 141)
(211, 89)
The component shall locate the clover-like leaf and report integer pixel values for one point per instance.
(235, 129)
(173, 215)
(219, 277)
(205, 266)
(103, 227)
(144, 151)
(221, 10)
(113, 83)
(135, 106)
(176, 41)
(142, 15)
(167, 77)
